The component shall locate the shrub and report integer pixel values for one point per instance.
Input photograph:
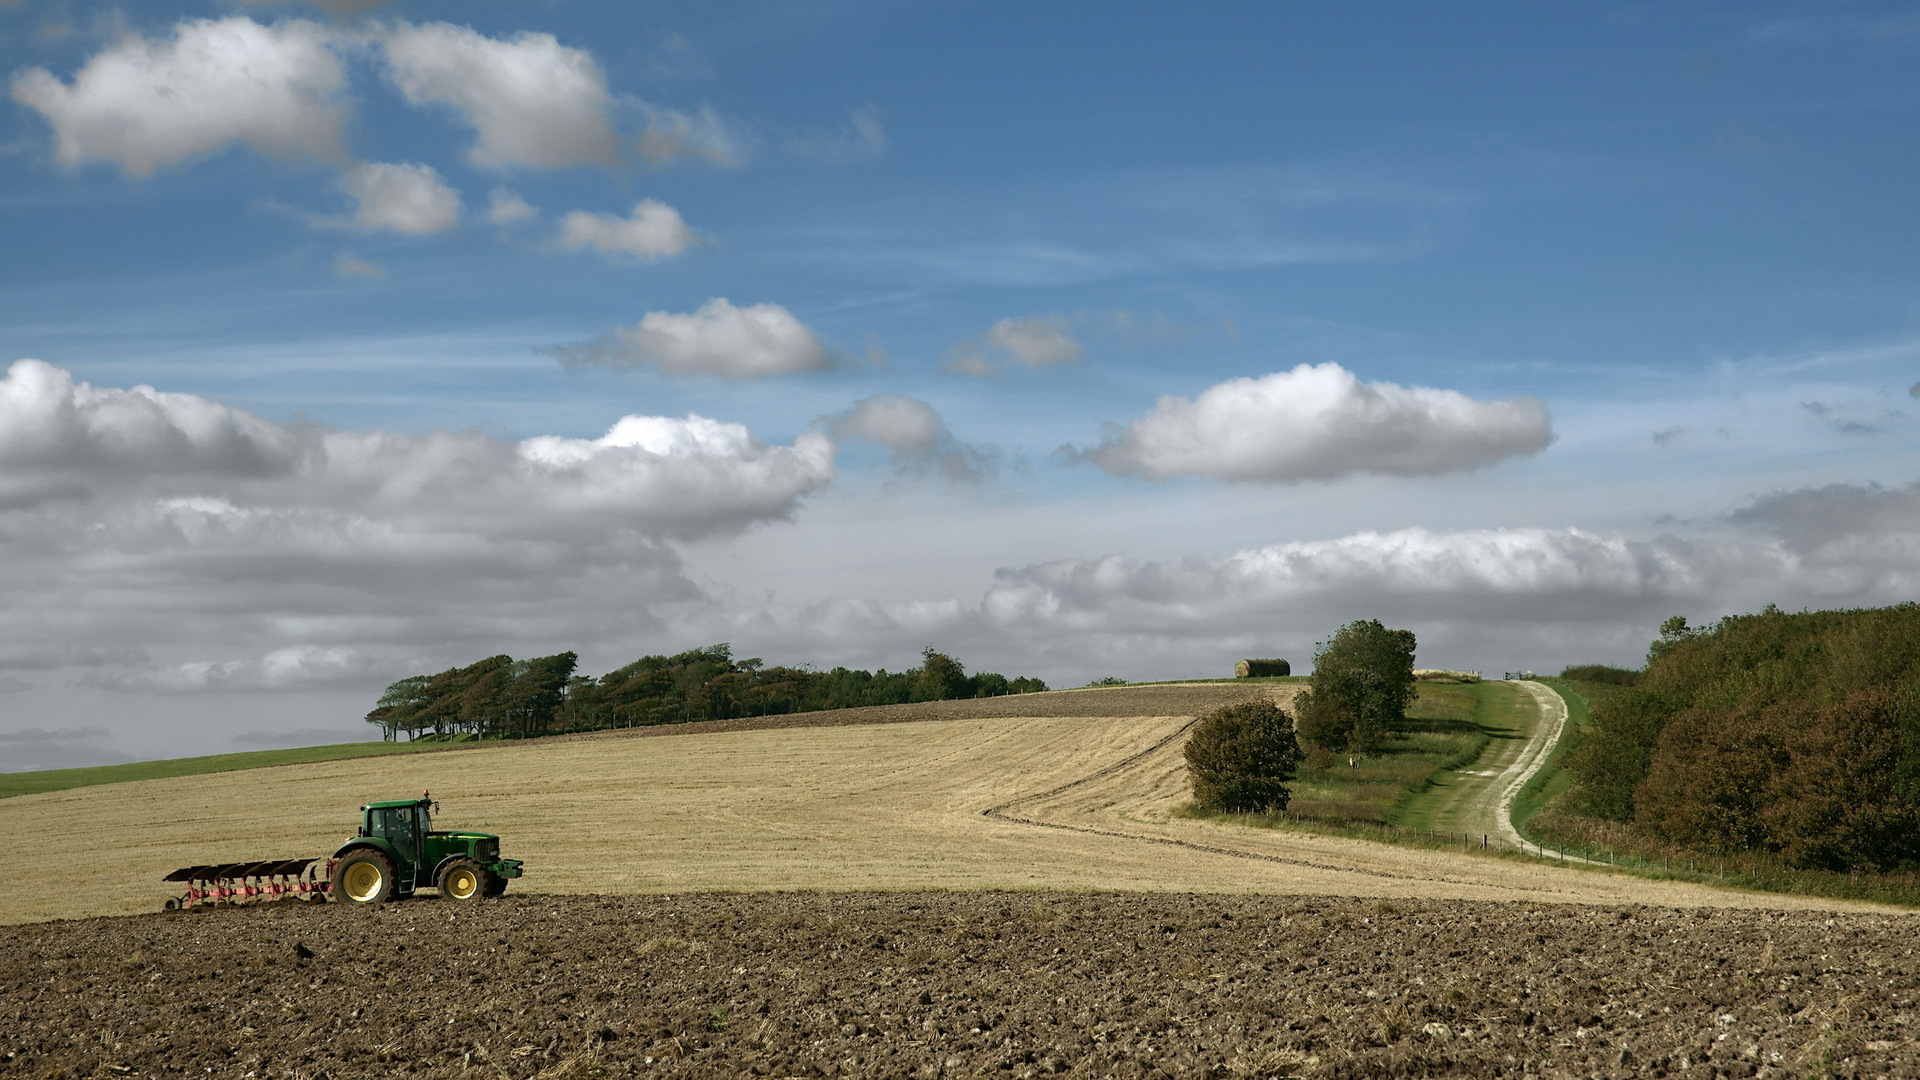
(1362, 684)
(1240, 758)
(1601, 673)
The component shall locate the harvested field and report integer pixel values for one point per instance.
(1026, 801)
(960, 984)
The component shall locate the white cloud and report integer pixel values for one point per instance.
(406, 198)
(506, 207)
(653, 230)
(672, 136)
(52, 428)
(170, 541)
(1036, 340)
(1318, 422)
(718, 340)
(917, 439)
(228, 471)
(147, 103)
(531, 100)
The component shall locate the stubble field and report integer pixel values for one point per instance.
(1072, 790)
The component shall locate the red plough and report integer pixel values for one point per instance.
(250, 882)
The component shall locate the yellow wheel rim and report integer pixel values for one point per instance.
(462, 884)
(362, 881)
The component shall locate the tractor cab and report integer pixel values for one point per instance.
(397, 850)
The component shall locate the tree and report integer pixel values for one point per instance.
(941, 678)
(1240, 758)
(396, 709)
(1361, 686)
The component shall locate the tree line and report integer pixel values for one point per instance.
(504, 698)
(1793, 734)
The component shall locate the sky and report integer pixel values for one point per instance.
(354, 340)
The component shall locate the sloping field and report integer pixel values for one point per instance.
(1076, 791)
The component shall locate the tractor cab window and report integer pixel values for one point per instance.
(397, 824)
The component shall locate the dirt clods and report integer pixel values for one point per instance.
(959, 984)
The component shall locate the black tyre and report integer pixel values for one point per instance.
(363, 877)
(494, 885)
(463, 880)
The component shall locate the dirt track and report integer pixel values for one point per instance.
(960, 984)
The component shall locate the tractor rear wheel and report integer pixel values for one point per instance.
(363, 877)
(464, 880)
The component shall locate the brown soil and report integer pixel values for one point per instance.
(959, 984)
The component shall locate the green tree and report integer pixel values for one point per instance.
(1241, 757)
(941, 678)
(1361, 686)
(397, 707)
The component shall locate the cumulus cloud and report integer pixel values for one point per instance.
(718, 340)
(673, 136)
(530, 100)
(1033, 341)
(405, 198)
(652, 231)
(917, 440)
(144, 103)
(508, 208)
(1319, 422)
(236, 553)
(1036, 340)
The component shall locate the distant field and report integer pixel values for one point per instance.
(1082, 799)
(29, 783)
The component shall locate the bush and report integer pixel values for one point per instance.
(1240, 758)
(1362, 684)
(1601, 673)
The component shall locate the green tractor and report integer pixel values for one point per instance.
(397, 851)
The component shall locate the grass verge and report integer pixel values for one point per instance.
(1441, 733)
(33, 783)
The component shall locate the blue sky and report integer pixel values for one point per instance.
(1077, 339)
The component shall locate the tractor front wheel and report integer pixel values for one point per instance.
(364, 877)
(464, 880)
(494, 886)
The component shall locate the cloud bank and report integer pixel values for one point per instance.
(138, 523)
(1319, 422)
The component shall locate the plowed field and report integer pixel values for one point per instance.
(1073, 790)
(960, 984)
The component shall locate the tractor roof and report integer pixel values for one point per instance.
(394, 804)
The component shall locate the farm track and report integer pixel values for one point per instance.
(1084, 798)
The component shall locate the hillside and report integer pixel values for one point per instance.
(1068, 790)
